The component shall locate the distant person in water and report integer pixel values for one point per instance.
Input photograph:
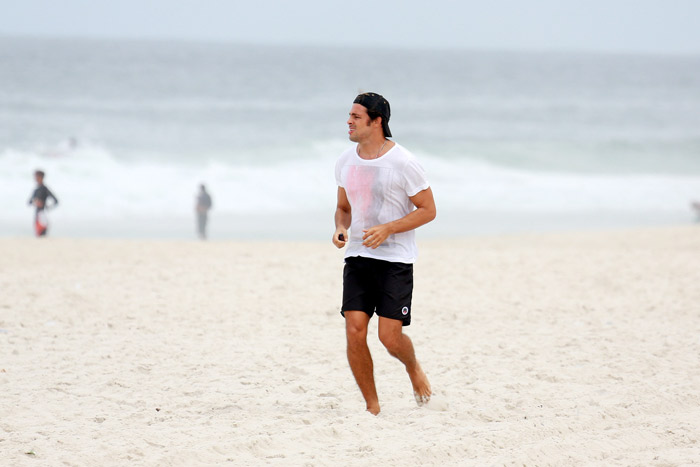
(39, 198)
(695, 205)
(202, 208)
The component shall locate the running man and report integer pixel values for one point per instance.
(39, 197)
(383, 196)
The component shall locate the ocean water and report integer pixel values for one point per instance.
(126, 130)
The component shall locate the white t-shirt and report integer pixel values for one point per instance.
(379, 191)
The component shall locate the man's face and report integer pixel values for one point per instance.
(358, 123)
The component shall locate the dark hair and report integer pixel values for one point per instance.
(373, 114)
(39, 173)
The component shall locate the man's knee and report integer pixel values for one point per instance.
(391, 339)
(356, 335)
(356, 326)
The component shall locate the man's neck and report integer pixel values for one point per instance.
(374, 148)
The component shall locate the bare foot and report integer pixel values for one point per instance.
(373, 409)
(421, 385)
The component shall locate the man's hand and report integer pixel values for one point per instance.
(340, 237)
(424, 213)
(375, 236)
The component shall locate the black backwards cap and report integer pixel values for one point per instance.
(376, 106)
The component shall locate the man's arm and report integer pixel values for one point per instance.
(425, 212)
(343, 218)
(33, 197)
(51, 195)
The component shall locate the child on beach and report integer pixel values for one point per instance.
(39, 197)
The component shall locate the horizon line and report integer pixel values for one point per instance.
(326, 45)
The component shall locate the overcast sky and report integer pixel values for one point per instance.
(647, 26)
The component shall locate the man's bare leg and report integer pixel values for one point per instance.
(359, 357)
(400, 346)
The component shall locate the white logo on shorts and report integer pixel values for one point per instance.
(404, 310)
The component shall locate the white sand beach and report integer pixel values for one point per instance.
(559, 349)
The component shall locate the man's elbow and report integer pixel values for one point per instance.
(430, 214)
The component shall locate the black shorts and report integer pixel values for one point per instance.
(373, 285)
